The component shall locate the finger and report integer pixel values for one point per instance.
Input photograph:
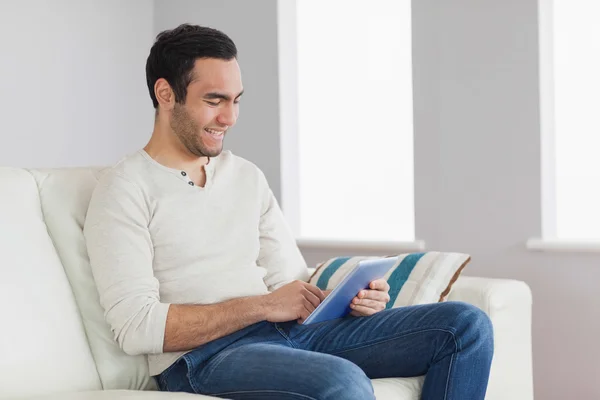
(377, 295)
(314, 300)
(374, 304)
(316, 291)
(380, 284)
(368, 303)
(356, 314)
(362, 310)
(308, 306)
(304, 313)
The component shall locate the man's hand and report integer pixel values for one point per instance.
(294, 301)
(372, 300)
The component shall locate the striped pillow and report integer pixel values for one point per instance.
(417, 278)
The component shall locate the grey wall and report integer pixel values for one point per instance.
(74, 89)
(479, 189)
(253, 27)
(73, 85)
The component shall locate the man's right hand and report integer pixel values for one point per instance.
(294, 301)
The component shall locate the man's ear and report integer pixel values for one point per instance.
(164, 94)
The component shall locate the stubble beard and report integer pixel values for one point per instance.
(189, 134)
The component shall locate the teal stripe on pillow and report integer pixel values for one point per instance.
(329, 271)
(400, 275)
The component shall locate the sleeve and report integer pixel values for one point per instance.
(121, 253)
(279, 254)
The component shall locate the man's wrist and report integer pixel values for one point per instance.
(261, 306)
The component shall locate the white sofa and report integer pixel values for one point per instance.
(54, 343)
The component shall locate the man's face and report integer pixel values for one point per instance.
(211, 106)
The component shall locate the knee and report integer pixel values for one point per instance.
(347, 381)
(473, 327)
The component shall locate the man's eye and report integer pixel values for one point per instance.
(213, 103)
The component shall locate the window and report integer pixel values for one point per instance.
(576, 118)
(355, 130)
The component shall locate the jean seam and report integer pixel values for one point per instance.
(368, 344)
(217, 360)
(189, 375)
(162, 384)
(299, 395)
(163, 376)
(448, 377)
(286, 337)
(456, 345)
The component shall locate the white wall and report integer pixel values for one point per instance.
(252, 25)
(73, 87)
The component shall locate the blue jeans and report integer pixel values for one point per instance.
(451, 343)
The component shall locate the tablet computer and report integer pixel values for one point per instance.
(337, 304)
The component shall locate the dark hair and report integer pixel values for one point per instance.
(174, 52)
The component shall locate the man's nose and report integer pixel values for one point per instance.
(227, 116)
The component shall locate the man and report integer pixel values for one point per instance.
(197, 268)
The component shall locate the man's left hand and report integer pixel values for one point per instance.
(370, 301)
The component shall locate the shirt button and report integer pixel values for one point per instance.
(191, 183)
(183, 173)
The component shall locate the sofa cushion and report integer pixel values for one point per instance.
(416, 278)
(398, 388)
(121, 394)
(385, 389)
(65, 195)
(43, 346)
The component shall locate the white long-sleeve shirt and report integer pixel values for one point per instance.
(154, 239)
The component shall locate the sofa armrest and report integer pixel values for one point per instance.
(508, 304)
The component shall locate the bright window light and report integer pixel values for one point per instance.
(355, 132)
(577, 118)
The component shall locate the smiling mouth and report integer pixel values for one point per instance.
(215, 133)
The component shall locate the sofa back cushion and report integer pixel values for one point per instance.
(43, 345)
(65, 195)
